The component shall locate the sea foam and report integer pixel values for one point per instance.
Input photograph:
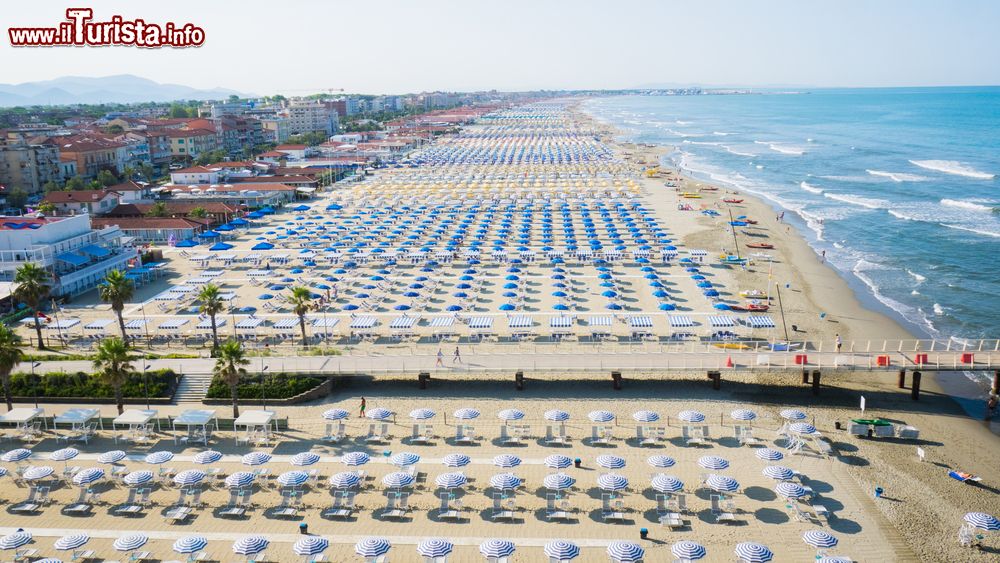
(811, 189)
(967, 205)
(858, 200)
(897, 176)
(953, 167)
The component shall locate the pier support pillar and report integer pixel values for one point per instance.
(716, 377)
(422, 379)
(805, 376)
(915, 388)
(519, 380)
(616, 380)
(815, 381)
(901, 382)
(996, 382)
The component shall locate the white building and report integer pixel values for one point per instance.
(195, 175)
(307, 116)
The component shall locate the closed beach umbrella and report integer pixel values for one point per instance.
(240, 479)
(601, 416)
(790, 490)
(753, 552)
(767, 454)
(336, 414)
(645, 416)
(778, 472)
(88, 476)
(451, 480)
(435, 547)
(497, 548)
(422, 414)
(372, 547)
(160, 457)
(505, 481)
(792, 414)
(612, 482)
(114, 456)
(466, 414)
(506, 461)
(562, 550)
(250, 545)
(456, 460)
(130, 542)
(14, 456)
(379, 414)
(743, 415)
(403, 459)
(722, 483)
(37, 472)
(556, 415)
(304, 459)
(983, 521)
(190, 544)
(713, 462)
(625, 551)
(510, 414)
(660, 461)
(138, 478)
(691, 416)
(189, 477)
(71, 542)
(397, 480)
(255, 458)
(803, 428)
(206, 457)
(293, 478)
(820, 539)
(667, 484)
(610, 461)
(558, 481)
(15, 540)
(310, 545)
(686, 550)
(558, 462)
(344, 480)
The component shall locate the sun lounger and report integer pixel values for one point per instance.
(642, 439)
(81, 506)
(501, 512)
(397, 505)
(446, 512)
(177, 514)
(746, 437)
(598, 436)
(556, 438)
(611, 508)
(29, 504)
(824, 447)
(419, 437)
(291, 501)
(343, 505)
(237, 505)
(555, 510)
(822, 512)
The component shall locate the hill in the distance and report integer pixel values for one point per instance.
(123, 88)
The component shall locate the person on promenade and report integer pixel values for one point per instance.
(458, 356)
(840, 343)
(363, 404)
(991, 406)
(440, 358)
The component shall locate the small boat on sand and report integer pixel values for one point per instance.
(759, 245)
(732, 200)
(690, 195)
(753, 294)
(750, 308)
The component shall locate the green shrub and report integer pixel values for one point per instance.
(254, 386)
(80, 384)
(321, 351)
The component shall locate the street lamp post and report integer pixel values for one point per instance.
(34, 382)
(263, 382)
(145, 383)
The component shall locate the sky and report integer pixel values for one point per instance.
(298, 47)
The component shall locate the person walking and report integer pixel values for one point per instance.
(363, 404)
(458, 356)
(440, 358)
(840, 343)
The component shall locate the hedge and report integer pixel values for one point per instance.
(81, 384)
(276, 386)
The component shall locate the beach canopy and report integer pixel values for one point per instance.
(190, 544)
(661, 461)
(601, 416)
(625, 551)
(753, 552)
(610, 461)
(435, 547)
(456, 460)
(372, 547)
(505, 481)
(983, 521)
(558, 481)
(113, 456)
(691, 416)
(71, 542)
(310, 545)
(793, 414)
(138, 478)
(768, 454)
(778, 472)
(713, 462)
(667, 484)
(336, 414)
(422, 414)
(645, 416)
(497, 548)
(556, 415)
(506, 461)
(819, 539)
(790, 490)
(344, 480)
(15, 540)
(250, 545)
(451, 480)
(240, 479)
(722, 483)
(557, 461)
(688, 550)
(612, 482)
(562, 550)
(130, 542)
(303, 459)
(510, 414)
(743, 415)
(466, 414)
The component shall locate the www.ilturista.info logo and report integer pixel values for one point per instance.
(79, 29)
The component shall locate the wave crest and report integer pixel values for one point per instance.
(953, 167)
(897, 176)
(967, 205)
(870, 203)
(810, 188)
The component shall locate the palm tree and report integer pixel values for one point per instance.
(301, 301)
(114, 365)
(33, 288)
(117, 289)
(230, 359)
(211, 305)
(10, 356)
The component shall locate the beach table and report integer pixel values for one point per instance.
(197, 422)
(257, 426)
(138, 423)
(79, 423)
(23, 419)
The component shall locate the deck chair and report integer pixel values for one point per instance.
(372, 436)
(418, 437)
(694, 436)
(130, 506)
(195, 499)
(177, 513)
(236, 505)
(661, 505)
(499, 512)
(507, 438)
(746, 437)
(396, 505)
(385, 432)
(552, 511)
(29, 504)
(824, 447)
(80, 506)
(464, 435)
(290, 503)
(609, 512)
(343, 505)
(446, 512)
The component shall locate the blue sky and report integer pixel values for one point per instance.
(395, 46)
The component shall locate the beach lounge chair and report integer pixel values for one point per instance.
(419, 437)
(82, 555)
(499, 511)
(556, 435)
(600, 436)
(396, 505)
(822, 513)
(722, 515)
(555, 510)
(343, 505)
(611, 508)
(824, 447)
(745, 435)
(465, 434)
(177, 513)
(373, 436)
(642, 439)
(237, 505)
(335, 432)
(81, 505)
(29, 504)
(693, 436)
(130, 506)
(508, 438)
(291, 501)
(446, 512)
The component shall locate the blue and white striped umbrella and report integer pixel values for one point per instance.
(310, 545)
(240, 479)
(435, 547)
(790, 490)
(255, 458)
(48, 560)
(722, 483)
(802, 428)
(601, 416)
(625, 551)
(558, 462)
(114, 456)
(713, 462)
(379, 414)
(130, 542)
(451, 480)
(190, 544)
(506, 461)
(37, 472)
(293, 478)
(397, 480)
(660, 461)
(610, 461)
(189, 477)
(983, 521)
(793, 414)
(456, 460)
(372, 547)
(645, 416)
(466, 414)
(612, 482)
(687, 550)
(422, 414)
(778, 472)
(691, 416)
(336, 414)
(505, 481)
(558, 481)
(71, 542)
(354, 459)
(138, 478)
(159, 457)
(820, 539)
(250, 545)
(344, 480)
(667, 484)
(767, 454)
(753, 552)
(510, 414)
(15, 540)
(556, 415)
(743, 414)
(497, 548)
(562, 550)
(403, 459)
(835, 559)
(303, 459)
(87, 476)
(3, 471)
(206, 457)
(15, 456)
(64, 454)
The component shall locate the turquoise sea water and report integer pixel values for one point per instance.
(898, 186)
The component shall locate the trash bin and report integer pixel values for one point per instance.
(303, 528)
(577, 462)
(878, 492)
(643, 533)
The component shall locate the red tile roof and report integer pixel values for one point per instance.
(78, 196)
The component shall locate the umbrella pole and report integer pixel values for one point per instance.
(782, 309)
(733, 227)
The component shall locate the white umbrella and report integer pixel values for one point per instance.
(562, 550)
(435, 547)
(456, 460)
(558, 462)
(612, 482)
